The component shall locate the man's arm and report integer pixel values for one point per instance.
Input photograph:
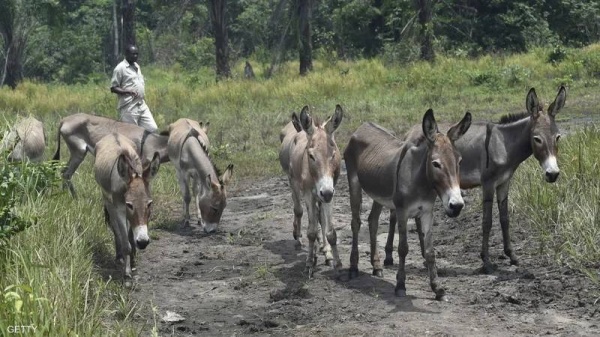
(116, 84)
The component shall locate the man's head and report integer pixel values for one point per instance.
(131, 53)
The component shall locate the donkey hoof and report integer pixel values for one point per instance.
(329, 262)
(441, 298)
(400, 292)
(488, 268)
(440, 295)
(353, 273)
(514, 261)
(388, 262)
(378, 272)
(309, 271)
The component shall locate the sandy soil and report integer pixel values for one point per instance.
(248, 278)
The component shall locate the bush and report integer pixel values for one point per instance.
(19, 180)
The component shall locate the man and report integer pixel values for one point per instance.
(128, 83)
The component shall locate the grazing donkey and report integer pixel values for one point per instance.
(188, 150)
(312, 161)
(26, 140)
(493, 152)
(125, 188)
(407, 177)
(82, 132)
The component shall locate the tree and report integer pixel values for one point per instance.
(305, 36)
(218, 18)
(129, 22)
(16, 23)
(424, 8)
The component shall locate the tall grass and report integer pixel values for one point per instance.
(57, 274)
(566, 215)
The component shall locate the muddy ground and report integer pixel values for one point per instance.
(248, 278)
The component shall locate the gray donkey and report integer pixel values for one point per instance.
(492, 153)
(407, 177)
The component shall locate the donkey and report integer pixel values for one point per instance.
(312, 161)
(407, 177)
(82, 132)
(493, 152)
(125, 185)
(25, 141)
(188, 150)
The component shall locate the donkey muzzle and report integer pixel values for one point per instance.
(454, 209)
(140, 236)
(551, 170)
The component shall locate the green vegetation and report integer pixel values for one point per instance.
(57, 274)
(565, 216)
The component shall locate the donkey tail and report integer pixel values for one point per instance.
(57, 153)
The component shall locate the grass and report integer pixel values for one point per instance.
(565, 216)
(57, 274)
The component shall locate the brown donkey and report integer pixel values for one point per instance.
(312, 160)
(125, 188)
(407, 177)
(493, 152)
(188, 150)
(81, 132)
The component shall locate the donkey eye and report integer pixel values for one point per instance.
(129, 205)
(557, 137)
(537, 139)
(436, 164)
(149, 203)
(311, 156)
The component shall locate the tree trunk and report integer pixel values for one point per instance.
(129, 23)
(115, 51)
(219, 23)
(426, 34)
(305, 36)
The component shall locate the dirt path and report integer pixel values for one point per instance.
(248, 279)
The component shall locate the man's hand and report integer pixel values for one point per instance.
(133, 93)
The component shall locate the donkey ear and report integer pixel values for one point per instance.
(559, 101)
(459, 129)
(306, 121)
(226, 177)
(152, 169)
(296, 122)
(429, 126)
(204, 127)
(335, 121)
(124, 167)
(532, 103)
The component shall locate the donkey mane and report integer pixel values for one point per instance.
(510, 118)
(205, 149)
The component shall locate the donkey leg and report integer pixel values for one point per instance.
(312, 233)
(330, 235)
(133, 247)
(402, 252)
(389, 245)
(426, 221)
(355, 204)
(111, 221)
(373, 226)
(325, 222)
(297, 231)
(488, 197)
(185, 191)
(421, 235)
(78, 152)
(502, 197)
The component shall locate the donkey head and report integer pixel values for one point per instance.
(322, 151)
(544, 132)
(138, 201)
(214, 199)
(443, 161)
